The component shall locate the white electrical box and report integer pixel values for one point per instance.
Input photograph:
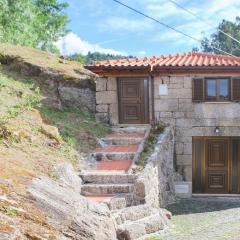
(163, 90)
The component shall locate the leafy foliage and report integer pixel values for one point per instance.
(93, 57)
(150, 144)
(221, 41)
(35, 23)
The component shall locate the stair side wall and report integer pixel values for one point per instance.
(155, 185)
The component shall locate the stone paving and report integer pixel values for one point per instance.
(209, 218)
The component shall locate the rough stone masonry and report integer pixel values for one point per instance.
(177, 109)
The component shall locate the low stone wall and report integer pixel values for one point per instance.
(155, 184)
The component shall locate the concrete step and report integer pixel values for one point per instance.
(107, 178)
(134, 213)
(123, 139)
(139, 228)
(130, 129)
(102, 189)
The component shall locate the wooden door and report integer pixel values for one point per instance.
(133, 100)
(216, 166)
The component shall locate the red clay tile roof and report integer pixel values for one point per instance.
(191, 59)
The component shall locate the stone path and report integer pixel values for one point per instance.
(204, 219)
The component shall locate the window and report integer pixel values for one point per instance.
(217, 89)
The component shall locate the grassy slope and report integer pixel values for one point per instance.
(42, 59)
(33, 139)
(22, 117)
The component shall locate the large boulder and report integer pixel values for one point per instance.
(71, 213)
(67, 177)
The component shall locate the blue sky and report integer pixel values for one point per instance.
(104, 26)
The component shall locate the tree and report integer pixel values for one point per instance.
(35, 23)
(221, 41)
(78, 58)
(90, 58)
(53, 21)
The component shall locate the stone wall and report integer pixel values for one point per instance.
(155, 186)
(83, 99)
(74, 93)
(192, 119)
(107, 100)
(177, 109)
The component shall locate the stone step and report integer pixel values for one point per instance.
(107, 178)
(123, 139)
(131, 129)
(116, 153)
(102, 156)
(114, 202)
(139, 228)
(116, 165)
(134, 213)
(102, 189)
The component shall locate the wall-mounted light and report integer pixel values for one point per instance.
(217, 130)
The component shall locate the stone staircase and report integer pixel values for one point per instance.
(112, 183)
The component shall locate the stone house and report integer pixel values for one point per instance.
(198, 94)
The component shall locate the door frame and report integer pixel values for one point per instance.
(145, 91)
(203, 163)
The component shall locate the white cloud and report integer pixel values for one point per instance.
(126, 24)
(72, 43)
(213, 12)
(141, 53)
(165, 10)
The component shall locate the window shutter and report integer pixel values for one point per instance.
(236, 89)
(198, 89)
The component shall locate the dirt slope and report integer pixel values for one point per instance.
(35, 136)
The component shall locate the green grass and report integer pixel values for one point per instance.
(78, 129)
(155, 238)
(149, 145)
(16, 96)
(9, 210)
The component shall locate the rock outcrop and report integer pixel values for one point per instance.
(67, 177)
(71, 213)
(68, 83)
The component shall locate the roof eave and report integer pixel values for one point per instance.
(197, 69)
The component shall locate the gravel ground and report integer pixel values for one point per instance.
(208, 218)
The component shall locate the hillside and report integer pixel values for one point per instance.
(36, 133)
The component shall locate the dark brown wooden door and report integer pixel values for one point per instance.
(133, 100)
(216, 166)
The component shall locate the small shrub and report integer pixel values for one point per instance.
(9, 210)
(149, 145)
